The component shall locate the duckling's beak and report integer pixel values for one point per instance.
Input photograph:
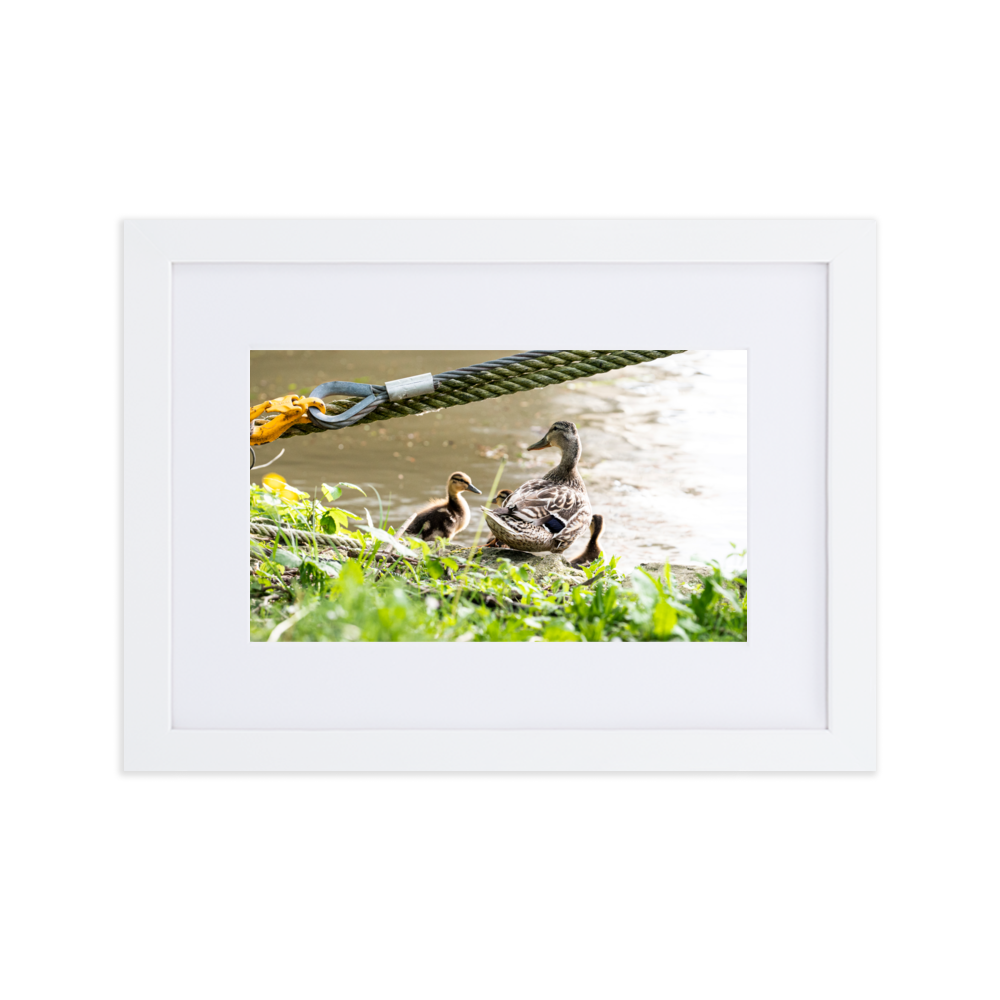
(472, 489)
(538, 445)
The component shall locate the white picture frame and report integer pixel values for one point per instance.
(847, 247)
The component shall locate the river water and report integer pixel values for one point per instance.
(664, 444)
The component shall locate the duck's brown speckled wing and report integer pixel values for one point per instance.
(539, 499)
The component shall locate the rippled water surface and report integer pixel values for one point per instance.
(664, 444)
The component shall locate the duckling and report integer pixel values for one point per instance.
(498, 501)
(593, 549)
(443, 518)
(547, 514)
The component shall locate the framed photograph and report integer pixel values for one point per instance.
(508, 484)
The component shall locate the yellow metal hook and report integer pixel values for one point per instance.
(288, 410)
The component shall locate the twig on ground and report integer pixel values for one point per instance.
(257, 468)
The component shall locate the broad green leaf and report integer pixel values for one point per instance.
(701, 600)
(334, 518)
(645, 587)
(681, 633)
(727, 595)
(286, 558)
(664, 619)
(351, 575)
(556, 634)
(384, 536)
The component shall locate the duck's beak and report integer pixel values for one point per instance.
(538, 445)
(472, 489)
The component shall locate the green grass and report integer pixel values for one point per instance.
(304, 594)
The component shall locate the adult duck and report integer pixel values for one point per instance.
(547, 514)
(443, 518)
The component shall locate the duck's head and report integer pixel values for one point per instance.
(562, 434)
(596, 527)
(459, 482)
(500, 500)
